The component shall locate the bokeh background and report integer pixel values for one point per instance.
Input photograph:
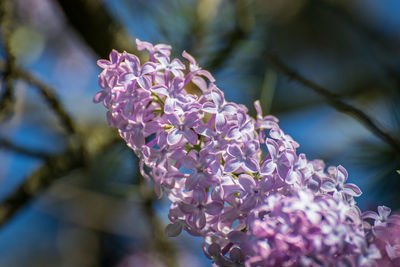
(70, 190)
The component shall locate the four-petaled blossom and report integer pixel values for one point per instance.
(182, 129)
(135, 73)
(219, 108)
(242, 159)
(337, 185)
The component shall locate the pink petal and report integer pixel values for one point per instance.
(200, 219)
(199, 196)
(248, 204)
(147, 68)
(200, 82)
(251, 165)
(193, 180)
(217, 97)
(235, 151)
(99, 97)
(232, 165)
(209, 107)
(144, 82)
(191, 136)
(174, 137)
(206, 74)
(214, 208)
(370, 215)
(352, 190)
(268, 167)
(384, 212)
(328, 185)
(247, 182)
(169, 105)
(186, 208)
(220, 122)
(341, 174)
(229, 109)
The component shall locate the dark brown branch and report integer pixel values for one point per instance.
(54, 167)
(96, 26)
(6, 144)
(51, 99)
(335, 101)
(48, 95)
(7, 97)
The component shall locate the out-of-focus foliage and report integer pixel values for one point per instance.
(93, 209)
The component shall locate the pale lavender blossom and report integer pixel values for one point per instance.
(204, 169)
(220, 108)
(181, 129)
(337, 186)
(243, 128)
(135, 73)
(196, 207)
(239, 159)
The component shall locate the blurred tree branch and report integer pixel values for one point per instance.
(51, 99)
(335, 101)
(53, 168)
(99, 30)
(48, 95)
(232, 39)
(381, 44)
(7, 96)
(6, 144)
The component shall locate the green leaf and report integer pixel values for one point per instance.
(398, 171)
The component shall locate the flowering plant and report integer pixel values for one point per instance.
(235, 180)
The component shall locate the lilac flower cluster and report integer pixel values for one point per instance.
(235, 180)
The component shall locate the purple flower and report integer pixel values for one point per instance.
(307, 205)
(380, 218)
(368, 256)
(204, 168)
(243, 129)
(196, 207)
(254, 190)
(172, 93)
(156, 49)
(219, 108)
(112, 64)
(267, 122)
(239, 159)
(182, 129)
(283, 139)
(175, 66)
(337, 187)
(134, 73)
(196, 73)
(204, 154)
(282, 162)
